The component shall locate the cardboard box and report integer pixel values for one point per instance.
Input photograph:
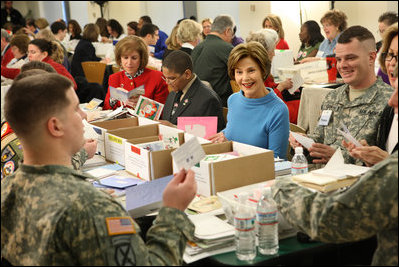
(115, 140)
(102, 127)
(150, 165)
(254, 166)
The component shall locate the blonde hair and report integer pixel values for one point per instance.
(41, 23)
(188, 31)
(276, 23)
(58, 54)
(388, 36)
(171, 42)
(128, 45)
(254, 50)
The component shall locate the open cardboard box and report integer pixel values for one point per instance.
(253, 166)
(150, 165)
(104, 126)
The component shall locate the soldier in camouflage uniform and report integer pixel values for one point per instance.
(369, 207)
(51, 216)
(11, 150)
(355, 53)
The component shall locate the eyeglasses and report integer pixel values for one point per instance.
(389, 56)
(170, 80)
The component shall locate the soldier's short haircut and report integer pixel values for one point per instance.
(221, 23)
(34, 99)
(28, 73)
(178, 62)
(37, 65)
(358, 32)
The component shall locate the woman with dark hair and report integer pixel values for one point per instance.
(41, 50)
(311, 39)
(102, 25)
(74, 30)
(132, 28)
(115, 31)
(19, 46)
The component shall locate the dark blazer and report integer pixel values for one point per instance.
(186, 49)
(84, 51)
(199, 101)
(384, 128)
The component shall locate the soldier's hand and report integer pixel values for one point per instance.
(180, 191)
(90, 146)
(322, 152)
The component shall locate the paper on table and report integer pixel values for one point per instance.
(188, 154)
(337, 168)
(303, 140)
(101, 172)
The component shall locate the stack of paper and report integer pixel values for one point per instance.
(212, 236)
(333, 176)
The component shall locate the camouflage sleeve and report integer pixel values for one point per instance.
(166, 239)
(363, 210)
(103, 233)
(79, 159)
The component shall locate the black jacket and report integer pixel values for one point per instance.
(84, 51)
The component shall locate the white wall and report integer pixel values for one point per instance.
(211, 9)
(78, 12)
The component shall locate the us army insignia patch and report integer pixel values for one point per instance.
(120, 226)
(124, 255)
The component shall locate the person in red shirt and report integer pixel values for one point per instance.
(274, 22)
(6, 52)
(131, 55)
(41, 50)
(19, 47)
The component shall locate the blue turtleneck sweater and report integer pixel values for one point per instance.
(261, 122)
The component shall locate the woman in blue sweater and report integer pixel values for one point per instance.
(257, 116)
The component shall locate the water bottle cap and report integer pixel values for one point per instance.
(299, 150)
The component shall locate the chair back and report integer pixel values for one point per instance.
(94, 71)
(234, 86)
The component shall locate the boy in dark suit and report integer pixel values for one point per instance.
(189, 96)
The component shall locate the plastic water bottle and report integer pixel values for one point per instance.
(267, 220)
(245, 236)
(299, 164)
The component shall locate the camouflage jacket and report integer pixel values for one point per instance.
(51, 216)
(369, 207)
(361, 116)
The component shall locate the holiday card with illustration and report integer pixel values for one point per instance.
(148, 108)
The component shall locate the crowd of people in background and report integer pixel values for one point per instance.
(193, 70)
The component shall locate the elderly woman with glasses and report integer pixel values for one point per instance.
(387, 133)
(131, 55)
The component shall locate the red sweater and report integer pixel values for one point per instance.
(60, 70)
(8, 56)
(282, 45)
(293, 105)
(9, 73)
(155, 87)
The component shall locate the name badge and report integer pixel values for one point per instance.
(325, 117)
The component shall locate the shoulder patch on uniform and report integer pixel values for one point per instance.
(120, 225)
(5, 129)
